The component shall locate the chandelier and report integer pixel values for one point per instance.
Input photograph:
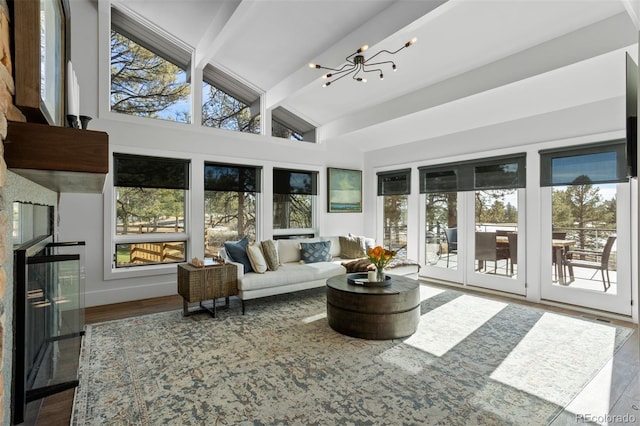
(357, 66)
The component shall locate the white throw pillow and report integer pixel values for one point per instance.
(258, 262)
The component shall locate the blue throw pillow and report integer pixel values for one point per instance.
(237, 251)
(316, 252)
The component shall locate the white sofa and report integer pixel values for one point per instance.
(294, 275)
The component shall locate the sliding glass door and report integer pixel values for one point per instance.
(472, 215)
(586, 213)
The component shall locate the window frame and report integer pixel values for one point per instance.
(112, 239)
(152, 38)
(232, 87)
(312, 192)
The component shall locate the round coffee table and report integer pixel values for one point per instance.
(375, 313)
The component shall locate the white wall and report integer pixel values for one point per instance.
(82, 216)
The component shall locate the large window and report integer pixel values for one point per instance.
(150, 195)
(395, 187)
(230, 204)
(148, 71)
(229, 104)
(294, 199)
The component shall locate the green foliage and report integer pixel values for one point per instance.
(139, 209)
(581, 207)
(292, 211)
(490, 207)
(223, 111)
(143, 83)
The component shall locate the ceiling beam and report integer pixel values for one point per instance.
(231, 13)
(602, 37)
(399, 16)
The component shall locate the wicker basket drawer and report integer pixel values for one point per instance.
(210, 282)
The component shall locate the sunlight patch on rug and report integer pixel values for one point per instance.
(315, 317)
(558, 354)
(429, 292)
(446, 326)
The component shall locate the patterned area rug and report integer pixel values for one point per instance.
(472, 361)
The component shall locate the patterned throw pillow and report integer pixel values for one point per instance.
(316, 252)
(270, 252)
(258, 262)
(351, 247)
(237, 251)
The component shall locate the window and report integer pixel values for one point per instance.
(148, 71)
(589, 164)
(229, 104)
(294, 197)
(287, 125)
(230, 204)
(150, 194)
(395, 187)
(584, 207)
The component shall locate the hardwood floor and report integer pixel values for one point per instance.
(56, 410)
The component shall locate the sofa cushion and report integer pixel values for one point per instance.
(258, 262)
(290, 273)
(359, 265)
(335, 244)
(319, 251)
(237, 251)
(289, 250)
(270, 252)
(351, 247)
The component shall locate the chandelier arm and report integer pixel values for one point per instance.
(352, 68)
(343, 75)
(374, 70)
(384, 51)
(332, 69)
(380, 63)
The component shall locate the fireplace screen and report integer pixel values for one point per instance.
(49, 315)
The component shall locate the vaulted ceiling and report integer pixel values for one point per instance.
(472, 58)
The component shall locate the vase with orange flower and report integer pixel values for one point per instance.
(380, 258)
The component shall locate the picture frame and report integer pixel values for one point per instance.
(344, 190)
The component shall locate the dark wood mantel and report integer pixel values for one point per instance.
(62, 159)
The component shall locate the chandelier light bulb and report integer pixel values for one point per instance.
(381, 76)
(410, 42)
(394, 68)
(312, 65)
(364, 80)
(363, 48)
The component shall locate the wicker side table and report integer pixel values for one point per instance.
(207, 283)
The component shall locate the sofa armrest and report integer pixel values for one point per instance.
(225, 256)
(239, 268)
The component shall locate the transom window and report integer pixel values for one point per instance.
(148, 71)
(229, 104)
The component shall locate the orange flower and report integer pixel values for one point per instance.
(380, 257)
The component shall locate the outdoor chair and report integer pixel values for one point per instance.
(554, 261)
(582, 259)
(451, 235)
(487, 249)
(513, 249)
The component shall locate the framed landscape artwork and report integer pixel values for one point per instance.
(344, 190)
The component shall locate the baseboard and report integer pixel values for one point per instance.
(109, 296)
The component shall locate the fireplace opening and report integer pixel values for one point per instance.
(49, 321)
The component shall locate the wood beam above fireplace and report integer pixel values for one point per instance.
(62, 159)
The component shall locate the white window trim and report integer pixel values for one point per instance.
(110, 272)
